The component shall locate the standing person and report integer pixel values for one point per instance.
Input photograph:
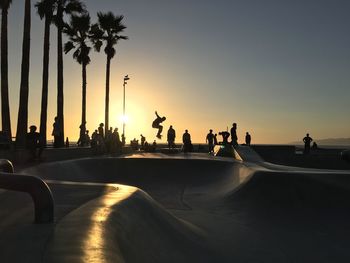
(143, 139)
(87, 138)
(156, 124)
(154, 146)
(56, 133)
(94, 139)
(215, 139)
(248, 138)
(33, 141)
(81, 140)
(186, 139)
(234, 138)
(171, 137)
(116, 143)
(108, 139)
(307, 141)
(101, 130)
(210, 140)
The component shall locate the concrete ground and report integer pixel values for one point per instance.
(180, 208)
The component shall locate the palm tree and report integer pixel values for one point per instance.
(78, 32)
(5, 105)
(45, 10)
(107, 30)
(63, 7)
(22, 122)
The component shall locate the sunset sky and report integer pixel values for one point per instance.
(278, 68)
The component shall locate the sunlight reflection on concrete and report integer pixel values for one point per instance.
(96, 241)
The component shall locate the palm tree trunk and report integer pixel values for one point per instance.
(22, 123)
(83, 113)
(44, 94)
(108, 66)
(5, 106)
(60, 112)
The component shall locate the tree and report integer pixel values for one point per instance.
(78, 32)
(63, 7)
(5, 105)
(108, 31)
(45, 10)
(22, 122)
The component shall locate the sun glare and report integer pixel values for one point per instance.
(124, 118)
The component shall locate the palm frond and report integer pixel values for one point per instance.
(68, 46)
(109, 28)
(81, 23)
(97, 45)
(74, 7)
(123, 37)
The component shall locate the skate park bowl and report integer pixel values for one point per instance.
(180, 208)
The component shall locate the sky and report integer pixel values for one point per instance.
(277, 68)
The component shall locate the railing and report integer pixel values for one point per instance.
(35, 187)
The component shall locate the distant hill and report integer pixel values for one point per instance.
(329, 141)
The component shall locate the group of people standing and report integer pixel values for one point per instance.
(102, 141)
(212, 140)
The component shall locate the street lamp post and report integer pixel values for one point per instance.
(126, 78)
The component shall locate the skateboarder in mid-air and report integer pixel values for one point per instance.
(156, 124)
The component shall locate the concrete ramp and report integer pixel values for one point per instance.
(196, 208)
(126, 226)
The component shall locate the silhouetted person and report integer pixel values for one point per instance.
(84, 140)
(108, 139)
(307, 141)
(143, 139)
(248, 138)
(215, 139)
(116, 144)
(87, 138)
(156, 124)
(134, 144)
(123, 140)
(56, 133)
(171, 137)
(81, 139)
(67, 143)
(146, 147)
(154, 146)
(234, 138)
(210, 140)
(186, 139)
(225, 135)
(314, 146)
(33, 141)
(101, 130)
(93, 143)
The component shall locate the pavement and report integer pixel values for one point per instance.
(154, 207)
